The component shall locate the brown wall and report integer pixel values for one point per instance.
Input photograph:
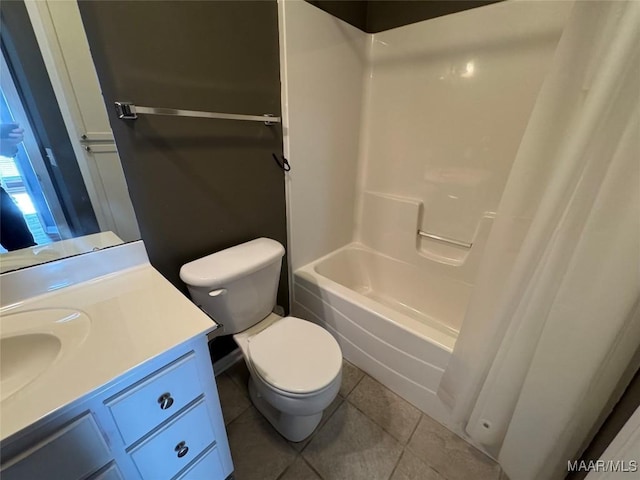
(354, 12)
(622, 411)
(374, 16)
(197, 185)
(387, 14)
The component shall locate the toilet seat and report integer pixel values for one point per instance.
(295, 356)
(296, 396)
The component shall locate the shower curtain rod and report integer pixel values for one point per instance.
(129, 111)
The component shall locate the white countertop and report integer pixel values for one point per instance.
(135, 315)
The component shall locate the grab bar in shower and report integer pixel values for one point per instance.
(445, 239)
(129, 111)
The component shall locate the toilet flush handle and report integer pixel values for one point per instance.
(215, 293)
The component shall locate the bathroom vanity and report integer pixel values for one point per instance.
(106, 374)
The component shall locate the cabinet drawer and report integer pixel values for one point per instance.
(209, 467)
(109, 473)
(174, 446)
(72, 453)
(148, 403)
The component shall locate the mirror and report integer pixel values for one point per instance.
(63, 187)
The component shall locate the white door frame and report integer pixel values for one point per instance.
(65, 50)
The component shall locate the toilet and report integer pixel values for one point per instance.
(295, 366)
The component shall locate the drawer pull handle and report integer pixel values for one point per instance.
(165, 400)
(182, 449)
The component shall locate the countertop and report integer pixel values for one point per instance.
(135, 315)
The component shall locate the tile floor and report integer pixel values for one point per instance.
(367, 433)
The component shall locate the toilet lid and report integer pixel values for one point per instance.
(295, 355)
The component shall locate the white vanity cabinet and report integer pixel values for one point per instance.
(161, 420)
(81, 441)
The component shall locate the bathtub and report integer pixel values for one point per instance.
(394, 321)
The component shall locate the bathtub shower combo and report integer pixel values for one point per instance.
(385, 323)
(403, 142)
(396, 319)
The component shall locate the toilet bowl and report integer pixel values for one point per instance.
(295, 366)
(295, 372)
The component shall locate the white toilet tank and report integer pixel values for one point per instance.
(236, 286)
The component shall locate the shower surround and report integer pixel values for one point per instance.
(412, 129)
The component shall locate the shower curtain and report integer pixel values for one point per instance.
(552, 332)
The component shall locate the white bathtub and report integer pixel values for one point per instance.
(394, 321)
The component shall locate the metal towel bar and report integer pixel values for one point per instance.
(129, 111)
(445, 239)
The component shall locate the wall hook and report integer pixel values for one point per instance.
(284, 164)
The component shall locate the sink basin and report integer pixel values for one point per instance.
(32, 342)
(25, 357)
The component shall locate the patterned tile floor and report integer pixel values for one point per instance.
(367, 433)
